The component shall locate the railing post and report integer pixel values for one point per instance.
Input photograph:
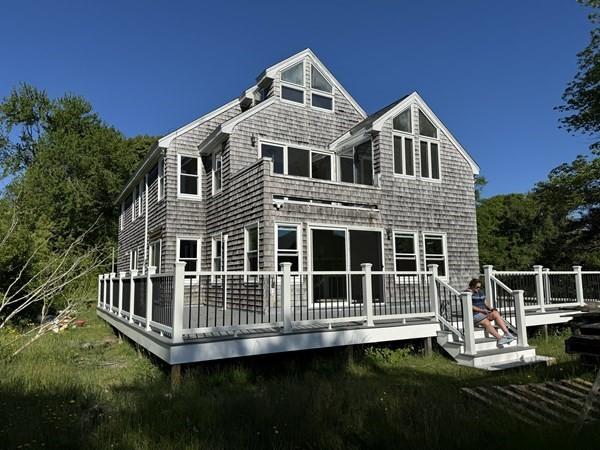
(132, 273)
(520, 317)
(151, 271)
(579, 285)
(539, 287)
(433, 293)
(104, 294)
(547, 291)
(99, 291)
(178, 297)
(367, 284)
(488, 271)
(468, 325)
(286, 296)
(120, 303)
(111, 293)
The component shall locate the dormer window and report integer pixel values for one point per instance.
(295, 77)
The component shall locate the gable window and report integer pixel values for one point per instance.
(154, 254)
(404, 160)
(217, 172)
(322, 101)
(302, 162)
(287, 246)
(435, 251)
(430, 160)
(356, 164)
(189, 176)
(426, 127)
(403, 121)
(319, 83)
(188, 251)
(405, 252)
(133, 259)
(294, 76)
(251, 248)
(161, 179)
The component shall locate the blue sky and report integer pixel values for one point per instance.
(491, 70)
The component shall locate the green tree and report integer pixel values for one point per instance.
(582, 95)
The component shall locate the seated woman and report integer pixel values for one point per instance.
(482, 315)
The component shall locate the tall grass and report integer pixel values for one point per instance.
(84, 388)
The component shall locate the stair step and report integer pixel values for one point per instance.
(538, 359)
(497, 356)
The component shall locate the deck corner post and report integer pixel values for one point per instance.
(100, 281)
(286, 296)
(367, 284)
(579, 285)
(520, 318)
(468, 325)
(539, 286)
(433, 293)
(488, 272)
(151, 270)
(547, 290)
(178, 298)
(111, 293)
(122, 275)
(132, 274)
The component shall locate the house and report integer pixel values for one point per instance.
(289, 219)
(295, 170)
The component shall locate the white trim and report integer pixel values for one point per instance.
(198, 253)
(310, 150)
(298, 227)
(133, 259)
(271, 72)
(247, 229)
(165, 141)
(160, 179)
(184, 196)
(377, 125)
(215, 191)
(293, 87)
(151, 254)
(445, 249)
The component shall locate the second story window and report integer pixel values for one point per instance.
(300, 162)
(404, 161)
(189, 177)
(161, 179)
(134, 197)
(356, 164)
(292, 83)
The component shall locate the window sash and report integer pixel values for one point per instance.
(441, 259)
(430, 160)
(292, 94)
(186, 175)
(288, 254)
(189, 259)
(280, 154)
(404, 155)
(406, 256)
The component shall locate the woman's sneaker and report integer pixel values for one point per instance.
(505, 340)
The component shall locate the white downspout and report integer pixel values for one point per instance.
(146, 225)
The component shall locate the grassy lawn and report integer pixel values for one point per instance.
(85, 389)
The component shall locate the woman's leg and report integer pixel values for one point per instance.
(495, 316)
(485, 323)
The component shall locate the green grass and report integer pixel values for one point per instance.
(63, 394)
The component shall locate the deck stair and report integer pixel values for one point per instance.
(488, 354)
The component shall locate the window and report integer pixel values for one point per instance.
(318, 81)
(140, 198)
(153, 174)
(217, 172)
(161, 179)
(322, 101)
(287, 246)
(356, 164)
(154, 254)
(251, 248)
(122, 216)
(300, 162)
(403, 121)
(295, 76)
(435, 252)
(405, 252)
(188, 251)
(430, 160)
(426, 127)
(404, 161)
(189, 178)
(217, 255)
(133, 259)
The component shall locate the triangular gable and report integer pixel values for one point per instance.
(308, 53)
